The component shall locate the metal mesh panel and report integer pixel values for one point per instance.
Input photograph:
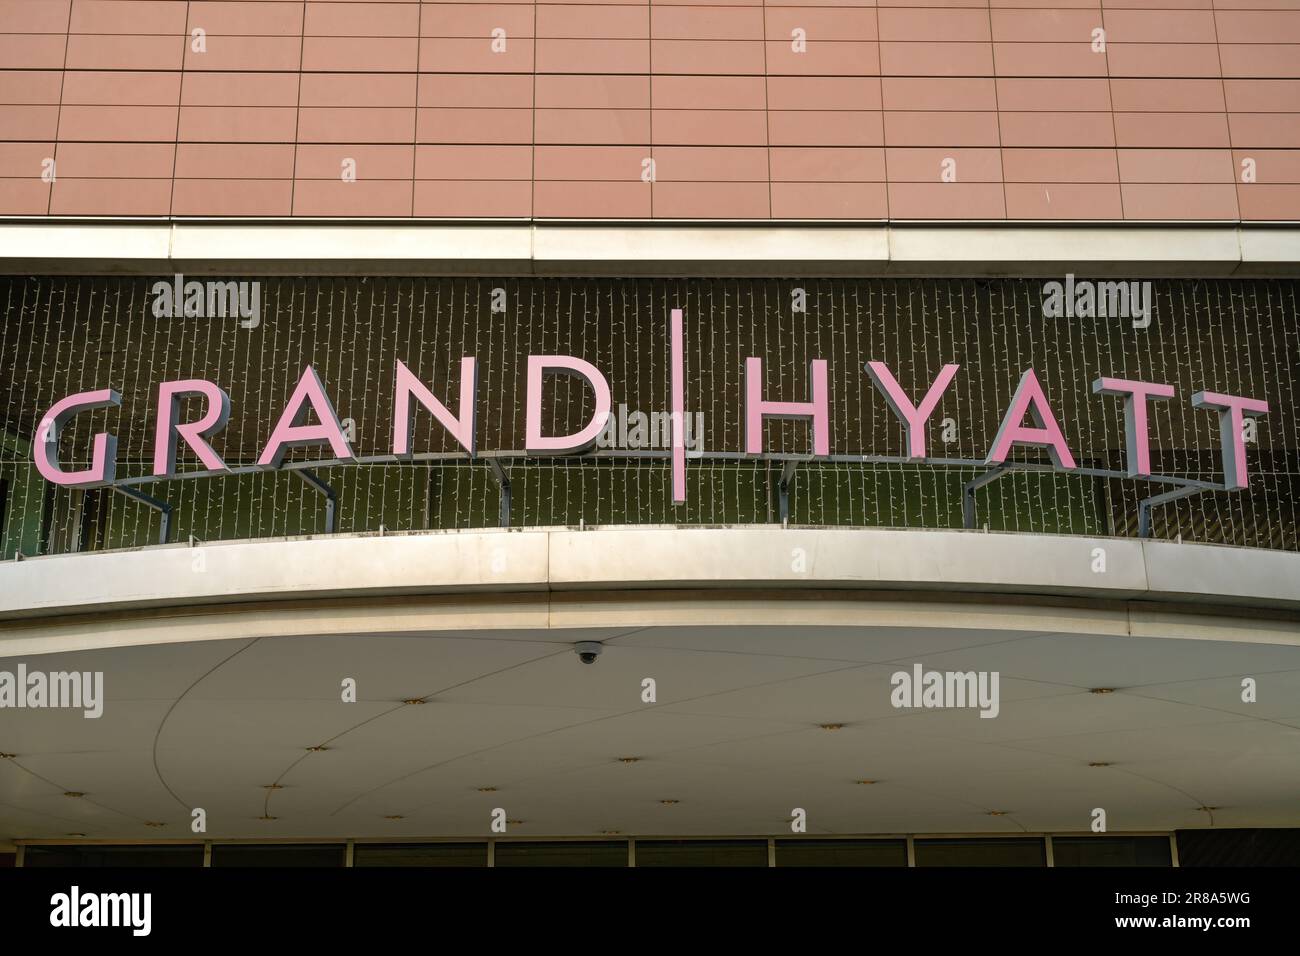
(64, 335)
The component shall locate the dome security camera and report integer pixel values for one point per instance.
(588, 651)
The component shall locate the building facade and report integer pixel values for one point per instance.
(620, 434)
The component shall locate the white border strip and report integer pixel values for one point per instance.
(332, 247)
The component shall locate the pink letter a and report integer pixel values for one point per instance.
(1029, 397)
(292, 430)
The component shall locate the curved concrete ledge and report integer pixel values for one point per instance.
(665, 559)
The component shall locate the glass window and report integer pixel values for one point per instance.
(269, 854)
(179, 855)
(1239, 847)
(569, 853)
(419, 854)
(981, 852)
(701, 853)
(841, 853)
(1111, 851)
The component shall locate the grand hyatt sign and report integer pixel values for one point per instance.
(1028, 421)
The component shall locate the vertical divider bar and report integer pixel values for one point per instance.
(677, 416)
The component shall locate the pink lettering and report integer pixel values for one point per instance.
(1045, 433)
(292, 430)
(1136, 395)
(103, 456)
(756, 409)
(409, 387)
(537, 444)
(194, 434)
(912, 416)
(1232, 409)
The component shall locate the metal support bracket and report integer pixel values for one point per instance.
(1146, 504)
(783, 487)
(331, 499)
(974, 485)
(157, 504)
(503, 481)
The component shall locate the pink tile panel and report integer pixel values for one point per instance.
(710, 109)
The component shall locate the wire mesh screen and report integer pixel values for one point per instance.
(66, 335)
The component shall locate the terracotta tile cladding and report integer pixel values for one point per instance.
(791, 109)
